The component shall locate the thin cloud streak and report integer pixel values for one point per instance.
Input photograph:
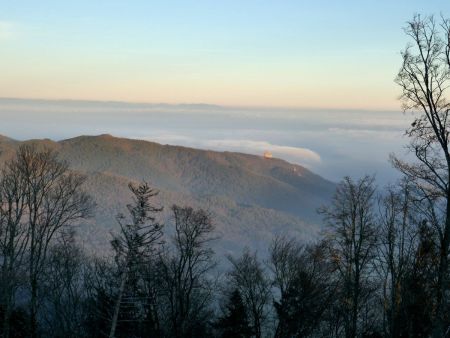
(258, 147)
(299, 155)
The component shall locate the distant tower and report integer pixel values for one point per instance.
(267, 154)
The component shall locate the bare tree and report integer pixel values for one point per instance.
(136, 241)
(285, 257)
(54, 200)
(250, 279)
(13, 239)
(353, 243)
(396, 250)
(40, 197)
(305, 283)
(185, 274)
(424, 78)
(101, 284)
(64, 289)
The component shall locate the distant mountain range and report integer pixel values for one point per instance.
(250, 198)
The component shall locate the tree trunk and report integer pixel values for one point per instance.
(8, 303)
(438, 330)
(33, 314)
(9, 274)
(33, 284)
(115, 317)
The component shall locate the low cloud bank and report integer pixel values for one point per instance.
(297, 155)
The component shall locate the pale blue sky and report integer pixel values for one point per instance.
(333, 54)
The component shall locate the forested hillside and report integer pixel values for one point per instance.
(250, 198)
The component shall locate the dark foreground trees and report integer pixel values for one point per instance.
(39, 198)
(248, 276)
(303, 279)
(64, 290)
(154, 288)
(234, 322)
(373, 273)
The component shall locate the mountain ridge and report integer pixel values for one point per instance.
(250, 197)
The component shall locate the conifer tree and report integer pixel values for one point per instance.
(234, 323)
(136, 241)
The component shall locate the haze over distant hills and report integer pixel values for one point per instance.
(250, 198)
(332, 143)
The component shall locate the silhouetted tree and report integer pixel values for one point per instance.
(424, 78)
(151, 292)
(42, 197)
(420, 286)
(396, 250)
(304, 280)
(13, 239)
(64, 289)
(352, 247)
(185, 274)
(234, 323)
(135, 243)
(248, 276)
(101, 288)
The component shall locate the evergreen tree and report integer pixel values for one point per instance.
(234, 324)
(133, 246)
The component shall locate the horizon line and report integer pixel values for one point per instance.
(199, 104)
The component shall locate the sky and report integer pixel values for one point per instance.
(309, 54)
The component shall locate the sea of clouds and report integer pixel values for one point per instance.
(332, 143)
